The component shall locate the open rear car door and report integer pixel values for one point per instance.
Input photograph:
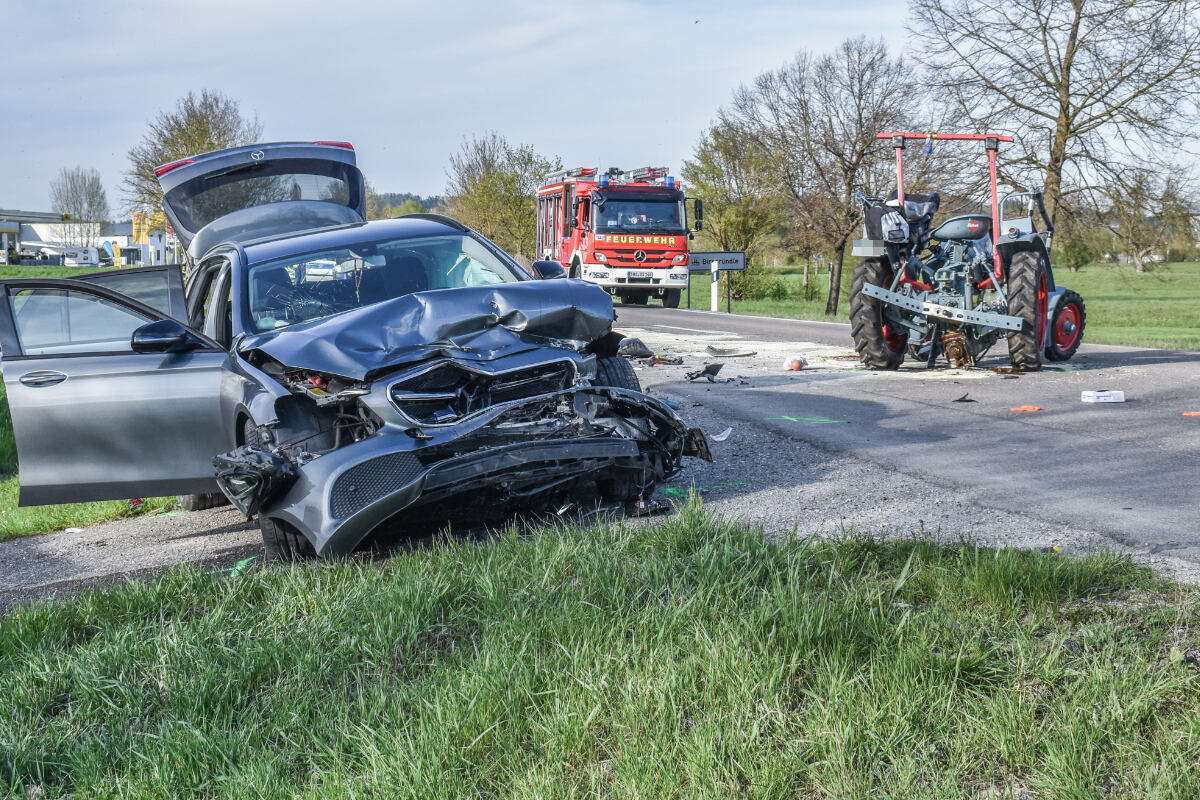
(110, 397)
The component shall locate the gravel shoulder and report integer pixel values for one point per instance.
(788, 478)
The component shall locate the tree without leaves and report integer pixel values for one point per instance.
(79, 193)
(1078, 83)
(817, 118)
(199, 123)
(492, 187)
(1146, 210)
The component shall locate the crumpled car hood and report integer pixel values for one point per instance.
(474, 323)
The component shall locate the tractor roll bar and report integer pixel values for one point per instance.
(991, 142)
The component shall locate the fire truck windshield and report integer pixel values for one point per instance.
(639, 216)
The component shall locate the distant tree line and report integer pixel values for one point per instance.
(1100, 97)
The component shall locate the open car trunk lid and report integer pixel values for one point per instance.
(261, 190)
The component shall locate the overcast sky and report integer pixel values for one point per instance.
(611, 83)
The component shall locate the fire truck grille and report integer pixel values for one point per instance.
(652, 257)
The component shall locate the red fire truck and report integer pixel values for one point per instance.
(626, 231)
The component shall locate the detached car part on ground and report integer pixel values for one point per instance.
(970, 290)
(339, 371)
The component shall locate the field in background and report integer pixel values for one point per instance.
(1155, 309)
(689, 657)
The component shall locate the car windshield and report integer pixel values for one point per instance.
(314, 285)
(640, 216)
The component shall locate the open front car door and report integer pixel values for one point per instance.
(110, 397)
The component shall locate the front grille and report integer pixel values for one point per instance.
(529, 383)
(652, 256)
(361, 485)
(449, 393)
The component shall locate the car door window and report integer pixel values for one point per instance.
(58, 321)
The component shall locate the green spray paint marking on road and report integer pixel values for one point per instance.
(811, 420)
(673, 491)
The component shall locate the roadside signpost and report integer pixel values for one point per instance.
(715, 263)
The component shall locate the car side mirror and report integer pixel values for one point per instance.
(164, 336)
(545, 270)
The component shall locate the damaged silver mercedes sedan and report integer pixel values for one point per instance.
(326, 373)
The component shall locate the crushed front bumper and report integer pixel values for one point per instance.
(508, 452)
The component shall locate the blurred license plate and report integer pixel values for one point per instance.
(641, 273)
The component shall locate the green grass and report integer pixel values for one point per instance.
(688, 658)
(1156, 309)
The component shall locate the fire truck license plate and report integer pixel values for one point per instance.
(641, 274)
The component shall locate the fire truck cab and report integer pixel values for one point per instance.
(626, 231)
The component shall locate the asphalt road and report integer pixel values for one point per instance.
(1123, 473)
(828, 450)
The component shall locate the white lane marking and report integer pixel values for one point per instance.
(677, 328)
(755, 316)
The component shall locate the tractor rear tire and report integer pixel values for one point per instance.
(1027, 299)
(1066, 327)
(616, 372)
(877, 345)
(671, 298)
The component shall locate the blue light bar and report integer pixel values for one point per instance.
(670, 181)
(604, 179)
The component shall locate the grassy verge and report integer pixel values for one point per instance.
(687, 658)
(1156, 309)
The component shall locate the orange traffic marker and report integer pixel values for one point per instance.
(1027, 408)
(1191, 413)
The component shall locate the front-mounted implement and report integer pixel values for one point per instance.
(957, 289)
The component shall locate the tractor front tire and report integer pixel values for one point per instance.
(1066, 327)
(878, 346)
(1027, 299)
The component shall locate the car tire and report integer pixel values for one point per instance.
(1066, 327)
(201, 502)
(1027, 299)
(878, 347)
(282, 542)
(616, 372)
(671, 298)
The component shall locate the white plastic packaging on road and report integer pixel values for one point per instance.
(1102, 396)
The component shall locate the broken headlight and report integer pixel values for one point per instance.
(250, 476)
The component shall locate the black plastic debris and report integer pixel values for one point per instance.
(710, 372)
(634, 348)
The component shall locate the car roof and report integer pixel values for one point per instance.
(281, 246)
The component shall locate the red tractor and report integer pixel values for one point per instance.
(957, 289)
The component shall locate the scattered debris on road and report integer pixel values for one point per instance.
(722, 436)
(1102, 396)
(710, 372)
(795, 364)
(1027, 408)
(966, 398)
(729, 352)
(634, 348)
